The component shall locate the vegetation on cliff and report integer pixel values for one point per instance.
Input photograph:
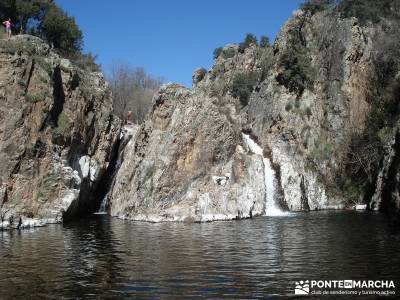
(367, 146)
(44, 19)
(324, 100)
(311, 57)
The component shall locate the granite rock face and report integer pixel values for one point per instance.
(188, 161)
(386, 197)
(265, 123)
(57, 134)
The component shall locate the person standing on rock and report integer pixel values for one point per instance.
(129, 117)
(11, 220)
(19, 223)
(251, 210)
(7, 24)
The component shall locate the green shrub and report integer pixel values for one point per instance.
(352, 189)
(242, 86)
(40, 196)
(225, 53)
(264, 41)
(43, 63)
(13, 46)
(266, 57)
(217, 52)
(228, 53)
(86, 62)
(62, 124)
(248, 40)
(308, 112)
(314, 6)
(297, 73)
(45, 19)
(150, 172)
(32, 98)
(366, 10)
(61, 30)
(322, 150)
(15, 199)
(288, 107)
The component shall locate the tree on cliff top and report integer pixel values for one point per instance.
(364, 10)
(249, 39)
(368, 10)
(314, 6)
(45, 19)
(61, 30)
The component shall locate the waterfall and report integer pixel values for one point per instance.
(104, 201)
(102, 209)
(271, 207)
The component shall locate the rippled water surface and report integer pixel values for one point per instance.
(109, 258)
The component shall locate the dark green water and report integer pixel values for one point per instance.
(104, 257)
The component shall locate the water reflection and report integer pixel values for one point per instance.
(248, 259)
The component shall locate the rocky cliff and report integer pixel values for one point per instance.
(308, 123)
(309, 102)
(57, 135)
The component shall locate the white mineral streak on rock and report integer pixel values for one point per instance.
(360, 207)
(69, 197)
(4, 225)
(28, 223)
(220, 180)
(31, 223)
(84, 164)
(93, 170)
(88, 167)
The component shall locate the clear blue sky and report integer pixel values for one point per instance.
(171, 38)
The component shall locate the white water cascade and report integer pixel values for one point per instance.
(271, 207)
(102, 209)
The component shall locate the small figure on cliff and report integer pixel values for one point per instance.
(19, 223)
(251, 209)
(129, 117)
(7, 24)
